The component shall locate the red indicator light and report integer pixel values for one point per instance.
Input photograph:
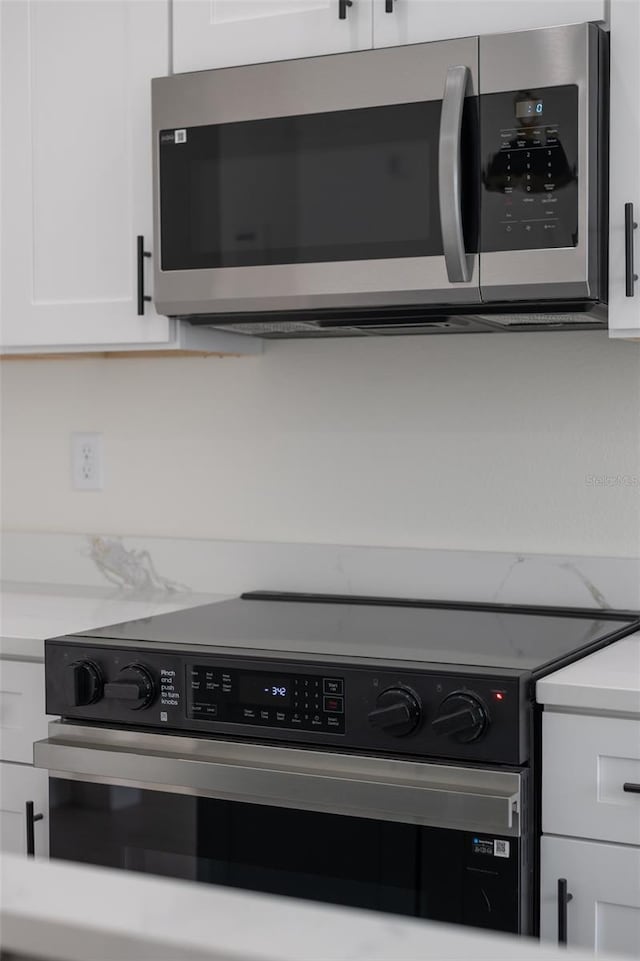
(499, 696)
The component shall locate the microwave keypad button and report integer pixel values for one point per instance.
(333, 685)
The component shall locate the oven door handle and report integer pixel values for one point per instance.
(380, 788)
(450, 175)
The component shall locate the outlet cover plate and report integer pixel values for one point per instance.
(86, 462)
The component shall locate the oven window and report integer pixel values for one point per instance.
(321, 857)
(398, 868)
(344, 185)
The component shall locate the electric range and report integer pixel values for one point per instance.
(375, 752)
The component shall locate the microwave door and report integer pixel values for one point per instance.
(345, 181)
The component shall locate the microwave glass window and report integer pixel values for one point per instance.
(337, 186)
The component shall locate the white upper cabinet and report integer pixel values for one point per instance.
(76, 174)
(224, 33)
(624, 306)
(76, 177)
(416, 21)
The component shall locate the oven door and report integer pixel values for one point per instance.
(406, 837)
(341, 181)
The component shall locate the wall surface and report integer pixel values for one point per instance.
(527, 442)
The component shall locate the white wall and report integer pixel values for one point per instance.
(478, 442)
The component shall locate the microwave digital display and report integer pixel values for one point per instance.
(529, 108)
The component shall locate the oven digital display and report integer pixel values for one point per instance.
(264, 689)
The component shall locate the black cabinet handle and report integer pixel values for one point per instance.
(142, 297)
(631, 788)
(563, 899)
(31, 834)
(388, 6)
(629, 226)
(342, 8)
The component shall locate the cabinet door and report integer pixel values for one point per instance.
(22, 716)
(604, 880)
(76, 170)
(624, 311)
(415, 21)
(224, 33)
(586, 761)
(20, 783)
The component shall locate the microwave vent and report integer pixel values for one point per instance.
(549, 320)
(276, 329)
(281, 329)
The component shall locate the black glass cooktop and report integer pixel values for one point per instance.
(532, 640)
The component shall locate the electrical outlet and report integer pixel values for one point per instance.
(86, 462)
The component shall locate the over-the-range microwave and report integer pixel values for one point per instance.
(447, 187)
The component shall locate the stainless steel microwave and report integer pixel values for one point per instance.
(451, 186)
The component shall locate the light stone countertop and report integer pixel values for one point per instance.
(607, 681)
(29, 613)
(58, 910)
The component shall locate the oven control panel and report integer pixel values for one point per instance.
(385, 708)
(303, 701)
(530, 169)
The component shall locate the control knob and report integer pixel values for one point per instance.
(398, 712)
(135, 685)
(463, 716)
(83, 683)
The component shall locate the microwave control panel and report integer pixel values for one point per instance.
(529, 142)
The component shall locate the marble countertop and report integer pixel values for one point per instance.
(31, 612)
(53, 909)
(608, 681)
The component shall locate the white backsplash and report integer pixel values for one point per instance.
(148, 565)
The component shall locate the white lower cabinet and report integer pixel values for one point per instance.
(591, 830)
(604, 880)
(22, 714)
(22, 721)
(20, 783)
(588, 761)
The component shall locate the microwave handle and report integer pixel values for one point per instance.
(450, 175)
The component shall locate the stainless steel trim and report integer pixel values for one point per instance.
(412, 792)
(450, 174)
(542, 58)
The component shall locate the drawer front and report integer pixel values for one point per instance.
(20, 783)
(22, 706)
(586, 762)
(603, 914)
